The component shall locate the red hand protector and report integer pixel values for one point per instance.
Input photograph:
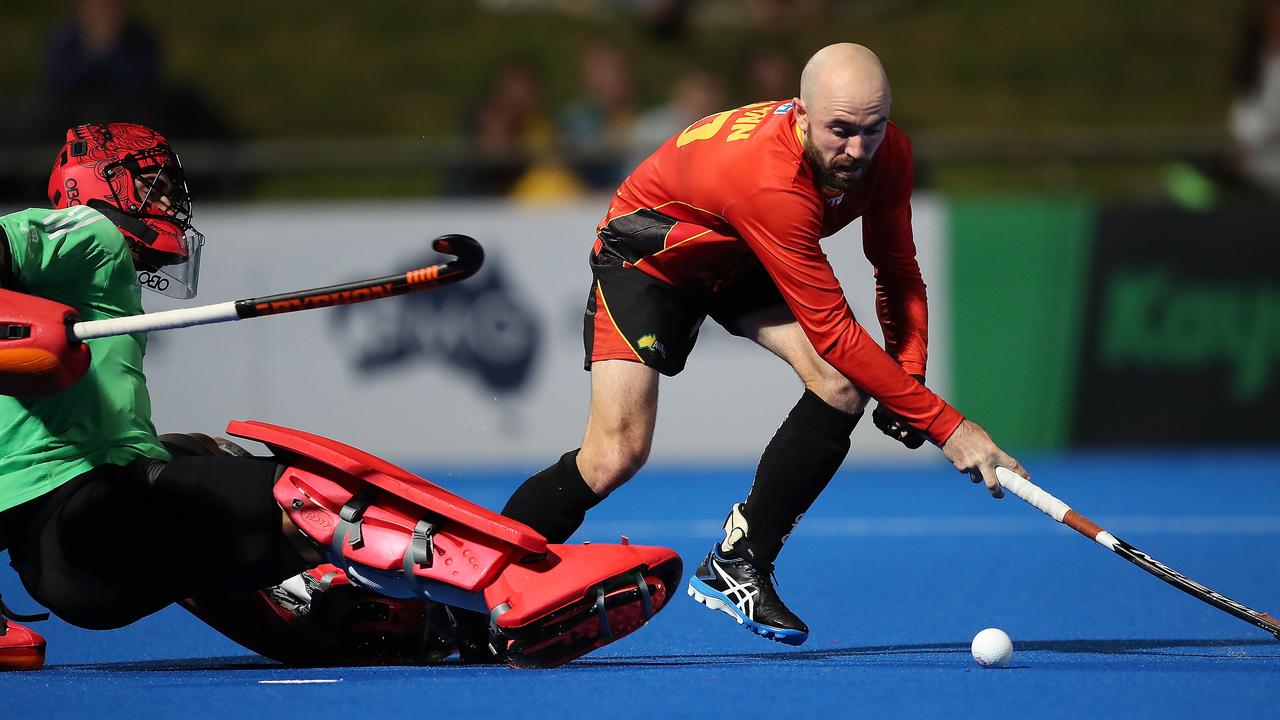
(37, 354)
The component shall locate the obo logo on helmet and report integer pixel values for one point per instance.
(73, 191)
(155, 281)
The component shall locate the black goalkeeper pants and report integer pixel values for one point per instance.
(113, 546)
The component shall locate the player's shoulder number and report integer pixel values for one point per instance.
(748, 117)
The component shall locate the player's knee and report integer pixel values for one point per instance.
(837, 391)
(606, 466)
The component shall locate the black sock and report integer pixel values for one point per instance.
(799, 461)
(554, 501)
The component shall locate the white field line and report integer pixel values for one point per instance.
(299, 682)
(955, 526)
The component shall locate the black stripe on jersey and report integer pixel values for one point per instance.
(637, 235)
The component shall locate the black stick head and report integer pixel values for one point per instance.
(464, 247)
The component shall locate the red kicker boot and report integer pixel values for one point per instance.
(21, 648)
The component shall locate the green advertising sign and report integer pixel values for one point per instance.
(1116, 326)
(1017, 278)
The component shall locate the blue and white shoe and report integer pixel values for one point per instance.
(745, 592)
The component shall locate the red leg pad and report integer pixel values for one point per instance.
(35, 355)
(314, 496)
(397, 481)
(402, 536)
(21, 648)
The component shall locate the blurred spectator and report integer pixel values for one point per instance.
(103, 65)
(774, 16)
(595, 126)
(769, 75)
(103, 44)
(547, 181)
(666, 20)
(695, 94)
(1255, 113)
(508, 131)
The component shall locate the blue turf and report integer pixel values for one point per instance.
(894, 570)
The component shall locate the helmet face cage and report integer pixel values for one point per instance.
(129, 173)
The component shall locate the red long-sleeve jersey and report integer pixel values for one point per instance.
(734, 190)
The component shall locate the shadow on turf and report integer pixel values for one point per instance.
(1101, 647)
(230, 662)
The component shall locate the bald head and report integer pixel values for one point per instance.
(844, 73)
(843, 112)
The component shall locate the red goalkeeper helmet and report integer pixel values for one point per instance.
(129, 173)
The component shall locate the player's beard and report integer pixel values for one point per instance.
(829, 175)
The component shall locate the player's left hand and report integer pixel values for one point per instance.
(893, 425)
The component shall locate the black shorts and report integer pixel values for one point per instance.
(112, 546)
(632, 315)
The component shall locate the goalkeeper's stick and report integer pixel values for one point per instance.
(468, 253)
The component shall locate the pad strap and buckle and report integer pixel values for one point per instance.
(422, 547)
(420, 552)
(349, 520)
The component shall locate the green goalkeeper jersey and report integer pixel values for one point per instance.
(78, 257)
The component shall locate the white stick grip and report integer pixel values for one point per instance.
(1030, 492)
(147, 322)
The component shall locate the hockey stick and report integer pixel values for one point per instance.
(468, 253)
(1060, 511)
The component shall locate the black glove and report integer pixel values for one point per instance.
(892, 424)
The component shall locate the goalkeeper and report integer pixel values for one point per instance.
(106, 523)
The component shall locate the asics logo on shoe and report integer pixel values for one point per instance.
(743, 595)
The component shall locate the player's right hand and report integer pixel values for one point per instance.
(972, 451)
